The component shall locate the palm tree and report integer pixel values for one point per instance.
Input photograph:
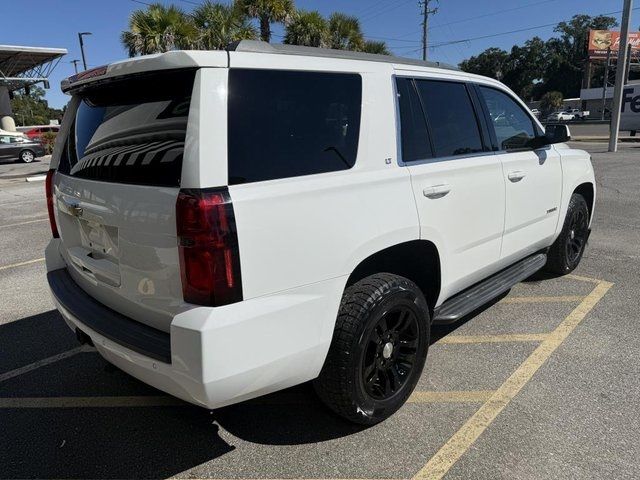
(345, 32)
(267, 12)
(307, 28)
(380, 48)
(219, 25)
(158, 29)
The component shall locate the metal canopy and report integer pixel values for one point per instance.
(21, 66)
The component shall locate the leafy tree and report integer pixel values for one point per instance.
(567, 53)
(551, 101)
(32, 108)
(308, 28)
(219, 25)
(340, 32)
(268, 12)
(345, 32)
(490, 63)
(379, 48)
(526, 65)
(158, 29)
(538, 67)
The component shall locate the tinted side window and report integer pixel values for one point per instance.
(513, 126)
(287, 124)
(413, 127)
(452, 119)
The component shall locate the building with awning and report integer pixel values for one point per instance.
(21, 67)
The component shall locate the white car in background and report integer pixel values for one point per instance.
(231, 223)
(560, 116)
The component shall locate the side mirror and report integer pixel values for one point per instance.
(554, 133)
(557, 133)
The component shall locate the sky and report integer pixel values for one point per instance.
(55, 24)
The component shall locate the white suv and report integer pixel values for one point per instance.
(227, 224)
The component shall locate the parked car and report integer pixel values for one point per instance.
(536, 112)
(37, 132)
(227, 224)
(7, 133)
(578, 114)
(560, 117)
(15, 147)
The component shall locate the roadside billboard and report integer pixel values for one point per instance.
(601, 40)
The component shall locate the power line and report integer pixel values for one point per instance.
(387, 9)
(369, 8)
(464, 40)
(402, 38)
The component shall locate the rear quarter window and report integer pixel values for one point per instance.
(288, 124)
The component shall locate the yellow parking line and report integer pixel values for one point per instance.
(21, 264)
(479, 396)
(90, 402)
(41, 363)
(517, 337)
(582, 279)
(566, 298)
(460, 442)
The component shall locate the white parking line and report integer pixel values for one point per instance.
(22, 264)
(43, 362)
(24, 223)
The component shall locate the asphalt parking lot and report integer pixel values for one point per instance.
(543, 383)
(15, 172)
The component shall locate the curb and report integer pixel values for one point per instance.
(605, 139)
(36, 178)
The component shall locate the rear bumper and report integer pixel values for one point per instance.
(216, 356)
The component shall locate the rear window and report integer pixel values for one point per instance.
(131, 130)
(287, 124)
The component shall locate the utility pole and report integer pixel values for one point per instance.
(75, 65)
(620, 76)
(605, 82)
(426, 11)
(80, 35)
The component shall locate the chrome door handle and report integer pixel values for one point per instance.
(516, 175)
(437, 191)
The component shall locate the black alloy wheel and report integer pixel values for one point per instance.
(390, 354)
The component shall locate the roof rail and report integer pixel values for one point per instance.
(256, 46)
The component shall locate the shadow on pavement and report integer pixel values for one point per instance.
(141, 442)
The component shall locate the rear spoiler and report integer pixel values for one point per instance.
(162, 61)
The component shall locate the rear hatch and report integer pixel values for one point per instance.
(117, 184)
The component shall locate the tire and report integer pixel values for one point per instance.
(377, 315)
(27, 156)
(566, 252)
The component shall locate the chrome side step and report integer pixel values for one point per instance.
(474, 297)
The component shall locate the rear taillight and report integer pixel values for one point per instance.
(208, 244)
(48, 187)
